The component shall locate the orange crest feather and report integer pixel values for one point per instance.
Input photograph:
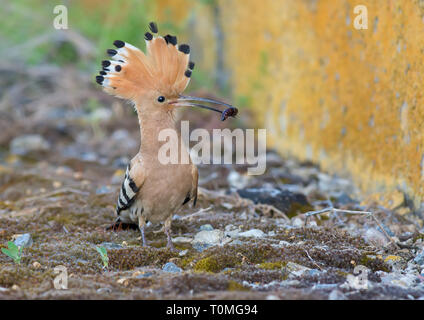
(130, 73)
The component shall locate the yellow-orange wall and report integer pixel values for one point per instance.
(350, 100)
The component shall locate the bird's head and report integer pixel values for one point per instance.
(154, 81)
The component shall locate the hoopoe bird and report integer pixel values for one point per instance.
(154, 82)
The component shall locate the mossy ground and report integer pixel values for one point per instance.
(67, 225)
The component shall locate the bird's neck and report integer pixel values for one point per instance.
(151, 125)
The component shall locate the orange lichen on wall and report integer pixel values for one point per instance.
(348, 99)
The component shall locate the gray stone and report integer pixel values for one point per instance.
(295, 270)
(183, 252)
(253, 233)
(104, 290)
(89, 156)
(100, 115)
(343, 198)
(25, 144)
(206, 227)
(232, 231)
(314, 272)
(337, 295)
(111, 245)
(297, 222)
(104, 190)
(149, 274)
(401, 280)
(24, 240)
(182, 240)
(419, 259)
(324, 286)
(200, 247)
(171, 267)
(283, 200)
(284, 243)
(213, 237)
(236, 180)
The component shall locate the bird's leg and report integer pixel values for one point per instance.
(169, 244)
(141, 225)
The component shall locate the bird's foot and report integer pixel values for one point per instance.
(169, 243)
(171, 247)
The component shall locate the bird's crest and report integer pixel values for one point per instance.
(165, 67)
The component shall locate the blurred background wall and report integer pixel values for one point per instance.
(350, 100)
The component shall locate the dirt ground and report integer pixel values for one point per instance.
(62, 160)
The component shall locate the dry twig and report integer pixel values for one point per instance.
(366, 213)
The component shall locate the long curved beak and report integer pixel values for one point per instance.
(188, 101)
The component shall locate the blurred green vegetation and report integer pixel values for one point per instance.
(27, 34)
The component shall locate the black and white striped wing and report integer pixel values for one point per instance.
(127, 194)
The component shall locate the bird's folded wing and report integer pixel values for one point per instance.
(131, 185)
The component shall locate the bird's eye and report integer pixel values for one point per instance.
(161, 99)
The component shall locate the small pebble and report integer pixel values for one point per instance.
(213, 237)
(337, 295)
(57, 184)
(171, 267)
(28, 143)
(104, 290)
(313, 272)
(284, 243)
(123, 281)
(297, 223)
(23, 240)
(182, 240)
(200, 247)
(183, 252)
(141, 274)
(232, 231)
(253, 233)
(144, 275)
(104, 190)
(294, 269)
(419, 259)
(324, 286)
(206, 227)
(110, 245)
